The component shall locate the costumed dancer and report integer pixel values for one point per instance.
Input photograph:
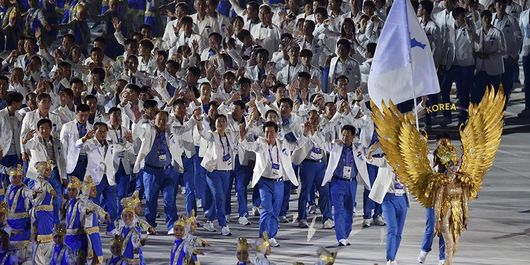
(91, 213)
(136, 204)
(62, 253)
(449, 192)
(242, 252)
(179, 252)
(193, 242)
(115, 250)
(428, 235)
(131, 236)
(42, 214)
(263, 249)
(18, 205)
(75, 238)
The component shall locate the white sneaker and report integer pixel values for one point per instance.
(393, 262)
(273, 242)
(209, 226)
(170, 232)
(378, 221)
(225, 231)
(328, 224)
(366, 223)
(199, 203)
(441, 262)
(343, 242)
(283, 219)
(348, 242)
(255, 211)
(243, 221)
(422, 256)
(227, 217)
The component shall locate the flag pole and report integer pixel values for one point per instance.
(416, 110)
(412, 72)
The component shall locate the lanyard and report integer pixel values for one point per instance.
(118, 137)
(277, 155)
(158, 140)
(105, 148)
(227, 144)
(50, 142)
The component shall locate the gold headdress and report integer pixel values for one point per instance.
(129, 204)
(242, 244)
(3, 207)
(262, 243)
(136, 199)
(74, 183)
(127, 210)
(132, 202)
(192, 218)
(60, 230)
(16, 171)
(41, 166)
(446, 153)
(87, 185)
(326, 256)
(181, 222)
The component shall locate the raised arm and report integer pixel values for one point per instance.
(245, 144)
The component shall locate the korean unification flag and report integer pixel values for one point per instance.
(403, 66)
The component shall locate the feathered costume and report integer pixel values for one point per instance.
(448, 192)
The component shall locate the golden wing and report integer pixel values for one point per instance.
(407, 152)
(481, 138)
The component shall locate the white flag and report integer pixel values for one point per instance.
(403, 66)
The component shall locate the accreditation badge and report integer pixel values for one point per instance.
(275, 169)
(227, 158)
(346, 172)
(398, 187)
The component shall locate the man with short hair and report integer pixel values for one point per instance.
(72, 132)
(513, 40)
(344, 166)
(343, 64)
(156, 156)
(273, 167)
(123, 160)
(44, 147)
(10, 122)
(44, 102)
(66, 110)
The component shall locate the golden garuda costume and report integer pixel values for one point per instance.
(447, 190)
